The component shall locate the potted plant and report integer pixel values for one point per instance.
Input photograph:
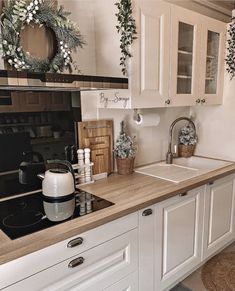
(125, 152)
(187, 141)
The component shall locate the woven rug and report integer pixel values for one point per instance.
(218, 274)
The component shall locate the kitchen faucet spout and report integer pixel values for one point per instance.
(169, 155)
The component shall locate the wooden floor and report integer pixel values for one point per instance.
(194, 281)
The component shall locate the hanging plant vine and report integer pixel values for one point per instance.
(127, 29)
(17, 14)
(230, 59)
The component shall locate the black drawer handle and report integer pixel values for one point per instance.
(147, 212)
(183, 194)
(76, 262)
(75, 242)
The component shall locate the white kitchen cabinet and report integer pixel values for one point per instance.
(170, 240)
(219, 217)
(178, 59)
(185, 56)
(130, 283)
(197, 64)
(149, 67)
(211, 77)
(92, 270)
(104, 255)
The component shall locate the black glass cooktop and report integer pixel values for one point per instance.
(25, 215)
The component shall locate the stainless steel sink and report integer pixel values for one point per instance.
(182, 168)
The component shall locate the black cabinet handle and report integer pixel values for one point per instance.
(147, 212)
(76, 262)
(183, 194)
(75, 242)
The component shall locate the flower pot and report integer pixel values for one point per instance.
(125, 166)
(186, 151)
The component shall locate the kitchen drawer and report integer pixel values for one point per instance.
(95, 269)
(49, 256)
(99, 142)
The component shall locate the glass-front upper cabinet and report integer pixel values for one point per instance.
(184, 56)
(212, 62)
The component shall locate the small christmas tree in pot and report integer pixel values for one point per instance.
(125, 152)
(187, 141)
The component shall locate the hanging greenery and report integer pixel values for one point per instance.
(230, 59)
(17, 14)
(127, 28)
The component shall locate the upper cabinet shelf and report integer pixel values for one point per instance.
(178, 58)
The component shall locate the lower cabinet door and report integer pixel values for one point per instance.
(92, 270)
(179, 224)
(219, 226)
(170, 240)
(130, 283)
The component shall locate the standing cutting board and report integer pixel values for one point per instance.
(98, 136)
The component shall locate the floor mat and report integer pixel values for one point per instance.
(218, 273)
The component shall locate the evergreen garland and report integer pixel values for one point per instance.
(18, 14)
(124, 145)
(127, 28)
(230, 59)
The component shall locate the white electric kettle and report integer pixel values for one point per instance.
(58, 189)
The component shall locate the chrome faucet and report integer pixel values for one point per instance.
(169, 155)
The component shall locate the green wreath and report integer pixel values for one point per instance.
(17, 14)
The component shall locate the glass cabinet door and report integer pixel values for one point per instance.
(185, 58)
(212, 61)
(213, 41)
(185, 48)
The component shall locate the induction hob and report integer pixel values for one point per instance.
(24, 215)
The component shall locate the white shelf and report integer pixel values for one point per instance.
(184, 77)
(185, 52)
(211, 57)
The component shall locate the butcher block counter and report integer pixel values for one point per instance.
(128, 193)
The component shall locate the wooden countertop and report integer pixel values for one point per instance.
(129, 193)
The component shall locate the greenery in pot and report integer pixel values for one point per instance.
(125, 148)
(187, 141)
(125, 152)
(187, 135)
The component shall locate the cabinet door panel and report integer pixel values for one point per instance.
(59, 101)
(179, 223)
(129, 283)
(185, 47)
(219, 215)
(150, 64)
(212, 60)
(179, 245)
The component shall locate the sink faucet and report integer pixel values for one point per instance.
(169, 155)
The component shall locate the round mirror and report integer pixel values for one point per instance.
(39, 41)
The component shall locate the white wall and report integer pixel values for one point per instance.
(82, 13)
(101, 53)
(151, 141)
(217, 126)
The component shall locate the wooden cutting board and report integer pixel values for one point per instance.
(98, 136)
